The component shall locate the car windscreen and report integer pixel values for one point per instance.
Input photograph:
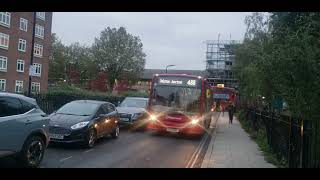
(78, 108)
(139, 103)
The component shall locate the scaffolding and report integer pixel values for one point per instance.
(219, 60)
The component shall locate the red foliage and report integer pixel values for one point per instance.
(99, 83)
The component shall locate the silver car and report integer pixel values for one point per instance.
(23, 129)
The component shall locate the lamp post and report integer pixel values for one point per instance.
(169, 66)
(32, 51)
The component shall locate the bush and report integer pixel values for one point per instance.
(260, 137)
(58, 96)
(135, 94)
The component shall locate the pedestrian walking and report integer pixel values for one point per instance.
(230, 110)
(222, 109)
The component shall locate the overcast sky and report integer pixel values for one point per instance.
(168, 38)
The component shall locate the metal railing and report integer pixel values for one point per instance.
(295, 140)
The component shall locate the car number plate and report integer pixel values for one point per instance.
(124, 119)
(56, 136)
(172, 130)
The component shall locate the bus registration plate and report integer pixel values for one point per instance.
(172, 130)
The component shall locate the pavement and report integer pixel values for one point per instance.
(231, 147)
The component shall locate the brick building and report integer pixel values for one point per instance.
(16, 32)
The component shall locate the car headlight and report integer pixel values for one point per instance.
(80, 125)
(194, 121)
(136, 115)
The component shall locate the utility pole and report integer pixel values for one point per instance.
(32, 50)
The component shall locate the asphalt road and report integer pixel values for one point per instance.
(130, 150)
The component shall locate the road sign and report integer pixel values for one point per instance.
(32, 70)
(277, 103)
(220, 85)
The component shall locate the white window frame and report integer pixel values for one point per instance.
(41, 15)
(3, 82)
(37, 66)
(23, 24)
(22, 64)
(6, 16)
(4, 59)
(24, 44)
(39, 31)
(5, 36)
(20, 84)
(38, 48)
(34, 85)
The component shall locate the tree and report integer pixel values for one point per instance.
(280, 58)
(119, 54)
(57, 69)
(73, 57)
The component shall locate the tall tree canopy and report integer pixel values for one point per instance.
(119, 54)
(280, 57)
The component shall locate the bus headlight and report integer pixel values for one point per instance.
(153, 117)
(194, 121)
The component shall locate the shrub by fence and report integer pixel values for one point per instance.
(53, 101)
(295, 140)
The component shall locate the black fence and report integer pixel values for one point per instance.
(291, 139)
(51, 103)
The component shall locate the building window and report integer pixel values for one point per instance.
(35, 87)
(4, 41)
(39, 31)
(2, 85)
(19, 86)
(3, 63)
(23, 24)
(20, 65)
(22, 45)
(38, 69)
(41, 15)
(5, 19)
(38, 50)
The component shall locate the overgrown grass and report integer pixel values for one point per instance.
(260, 137)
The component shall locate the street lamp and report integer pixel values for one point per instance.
(169, 66)
(32, 51)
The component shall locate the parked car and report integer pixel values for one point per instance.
(84, 121)
(23, 129)
(132, 111)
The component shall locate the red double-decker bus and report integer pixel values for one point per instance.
(180, 103)
(223, 96)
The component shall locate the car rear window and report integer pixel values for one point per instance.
(10, 106)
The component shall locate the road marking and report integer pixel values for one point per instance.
(88, 151)
(64, 159)
(197, 152)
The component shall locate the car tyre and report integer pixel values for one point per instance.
(32, 152)
(116, 132)
(91, 138)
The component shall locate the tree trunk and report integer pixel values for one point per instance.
(111, 84)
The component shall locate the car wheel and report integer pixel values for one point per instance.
(32, 152)
(116, 132)
(91, 138)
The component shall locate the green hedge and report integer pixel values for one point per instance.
(58, 96)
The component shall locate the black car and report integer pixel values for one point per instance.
(84, 121)
(132, 112)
